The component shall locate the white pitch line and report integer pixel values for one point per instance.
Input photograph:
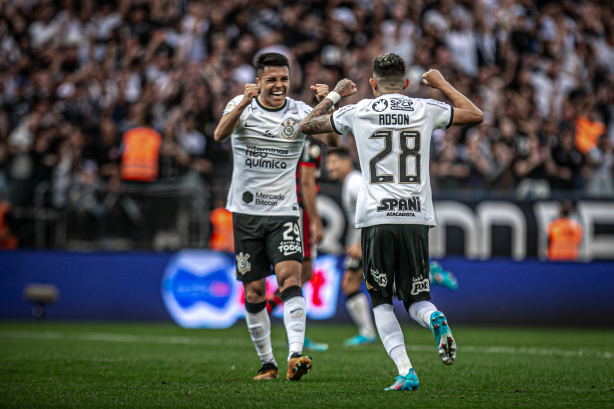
(209, 341)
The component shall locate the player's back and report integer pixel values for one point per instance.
(393, 136)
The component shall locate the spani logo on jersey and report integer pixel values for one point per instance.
(199, 289)
(405, 206)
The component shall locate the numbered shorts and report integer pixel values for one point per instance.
(310, 250)
(396, 260)
(264, 241)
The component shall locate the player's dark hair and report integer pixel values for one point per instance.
(271, 60)
(389, 70)
(341, 152)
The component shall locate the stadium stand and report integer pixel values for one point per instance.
(76, 75)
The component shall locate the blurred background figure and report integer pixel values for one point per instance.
(564, 235)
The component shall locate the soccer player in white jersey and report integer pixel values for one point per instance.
(395, 209)
(266, 141)
(340, 168)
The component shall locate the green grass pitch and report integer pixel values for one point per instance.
(60, 365)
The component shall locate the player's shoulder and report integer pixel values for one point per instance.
(293, 104)
(233, 103)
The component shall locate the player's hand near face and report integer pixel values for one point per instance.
(321, 91)
(345, 88)
(251, 91)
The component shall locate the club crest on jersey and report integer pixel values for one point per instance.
(243, 266)
(379, 106)
(420, 285)
(380, 278)
(289, 129)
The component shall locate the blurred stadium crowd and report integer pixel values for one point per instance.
(75, 75)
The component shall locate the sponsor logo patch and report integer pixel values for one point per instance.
(379, 106)
(401, 104)
(405, 204)
(290, 247)
(266, 199)
(380, 278)
(420, 285)
(230, 106)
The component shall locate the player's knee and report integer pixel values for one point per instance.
(254, 307)
(377, 298)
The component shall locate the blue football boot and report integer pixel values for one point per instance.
(408, 382)
(441, 277)
(310, 345)
(446, 347)
(359, 340)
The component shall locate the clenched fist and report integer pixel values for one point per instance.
(251, 92)
(345, 88)
(321, 91)
(433, 79)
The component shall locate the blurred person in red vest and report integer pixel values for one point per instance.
(141, 147)
(222, 236)
(564, 235)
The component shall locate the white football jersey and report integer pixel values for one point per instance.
(393, 138)
(266, 146)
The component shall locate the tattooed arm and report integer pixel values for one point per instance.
(318, 120)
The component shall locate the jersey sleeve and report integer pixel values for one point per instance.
(342, 120)
(232, 104)
(441, 113)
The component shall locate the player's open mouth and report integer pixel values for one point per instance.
(277, 94)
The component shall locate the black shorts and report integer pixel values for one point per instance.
(397, 254)
(264, 241)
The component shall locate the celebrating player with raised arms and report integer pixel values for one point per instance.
(395, 209)
(266, 141)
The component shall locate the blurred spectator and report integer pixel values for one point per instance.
(7, 238)
(141, 149)
(601, 164)
(564, 235)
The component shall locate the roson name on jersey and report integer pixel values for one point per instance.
(400, 207)
(393, 119)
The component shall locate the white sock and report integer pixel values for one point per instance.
(359, 309)
(421, 312)
(259, 325)
(294, 320)
(392, 337)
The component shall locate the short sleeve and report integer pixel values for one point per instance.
(232, 104)
(342, 120)
(441, 113)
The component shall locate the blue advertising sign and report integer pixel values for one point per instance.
(199, 289)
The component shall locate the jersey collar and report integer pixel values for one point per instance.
(271, 109)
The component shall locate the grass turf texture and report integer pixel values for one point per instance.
(140, 365)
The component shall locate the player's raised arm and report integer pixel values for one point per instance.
(465, 112)
(229, 122)
(318, 120)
